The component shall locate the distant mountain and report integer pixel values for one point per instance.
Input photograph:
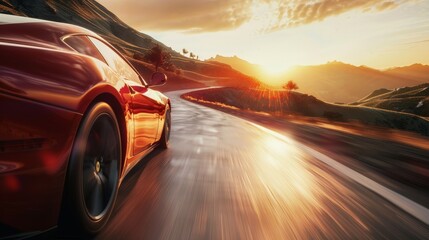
(341, 82)
(239, 64)
(413, 100)
(92, 15)
(416, 71)
(336, 81)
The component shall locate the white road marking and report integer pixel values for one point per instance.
(418, 211)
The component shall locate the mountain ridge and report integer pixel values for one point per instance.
(337, 81)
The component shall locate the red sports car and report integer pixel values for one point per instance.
(75, 117)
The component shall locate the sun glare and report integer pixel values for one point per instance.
(275, 69)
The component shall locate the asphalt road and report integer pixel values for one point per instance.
(225, 178)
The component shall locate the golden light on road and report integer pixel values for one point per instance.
(290, 190)
(296, 181)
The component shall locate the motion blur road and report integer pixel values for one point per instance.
(225, 178)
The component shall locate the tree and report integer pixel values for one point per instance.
(158, 57)
(290, 86)
(192, 55)
(184, 51)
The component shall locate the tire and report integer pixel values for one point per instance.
(166, 131)
(93, 173)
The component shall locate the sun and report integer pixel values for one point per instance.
(274, 75)
(275, 69)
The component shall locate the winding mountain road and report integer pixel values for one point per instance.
(226, 178)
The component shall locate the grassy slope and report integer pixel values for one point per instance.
(281, 102)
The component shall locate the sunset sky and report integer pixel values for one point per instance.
(279, 34)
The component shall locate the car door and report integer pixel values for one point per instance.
(144, 106)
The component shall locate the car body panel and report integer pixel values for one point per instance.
(147, 107)
(45, 90)
(33, 161)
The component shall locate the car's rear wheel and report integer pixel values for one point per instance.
(165, 137)
(93, 172)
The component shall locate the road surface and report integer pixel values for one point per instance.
(225, 178)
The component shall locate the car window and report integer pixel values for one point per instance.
(116, 62)
(83, 45)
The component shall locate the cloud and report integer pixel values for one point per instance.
(218, 15)
(417, 42)
(188, 15)
(300, 12)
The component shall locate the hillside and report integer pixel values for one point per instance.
(283, 104)
(413, 100)
(86, 13)
(337, 81)
(92, 15)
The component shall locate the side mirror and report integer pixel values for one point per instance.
(158, 79)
